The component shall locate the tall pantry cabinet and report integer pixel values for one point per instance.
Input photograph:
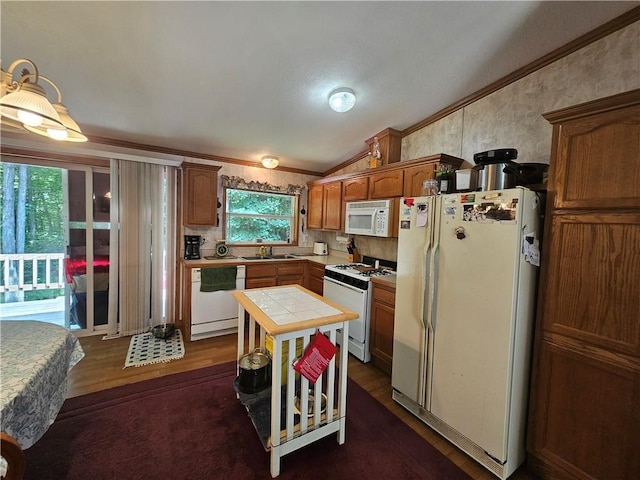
(584, 419)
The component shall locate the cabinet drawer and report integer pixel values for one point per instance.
(260, 282)
(384, 295)
(316, 270)
(292, 268)
(264, 270)
(290, 280)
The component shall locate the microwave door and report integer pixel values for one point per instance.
(361, 222)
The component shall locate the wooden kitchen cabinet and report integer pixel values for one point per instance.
(315, 275)
(584, 419)
(414, 176)
(383, 302)
(332, 206)
(390, 143)
(290, 273)
(271, 274)
(314, 206)
(355, 189)
(386, 184)
(200, 198)
(325, 206)
(326, 200)
(585, 179)
(261, 275)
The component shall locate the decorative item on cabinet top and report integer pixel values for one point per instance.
(241, 183)
(375, 158)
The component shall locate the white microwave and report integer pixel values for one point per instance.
(370, 217)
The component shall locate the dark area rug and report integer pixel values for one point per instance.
(190, 426)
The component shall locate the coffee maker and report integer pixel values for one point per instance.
(192, 247)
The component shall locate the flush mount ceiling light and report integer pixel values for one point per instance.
(269, 161)
(25, 101)
(342, 99)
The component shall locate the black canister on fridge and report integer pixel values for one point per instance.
(444, 176)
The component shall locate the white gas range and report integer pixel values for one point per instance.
(350, 286)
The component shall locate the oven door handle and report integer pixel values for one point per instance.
(331, 280)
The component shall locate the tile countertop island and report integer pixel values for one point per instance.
(289, 316)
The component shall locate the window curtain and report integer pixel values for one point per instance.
(141, 284)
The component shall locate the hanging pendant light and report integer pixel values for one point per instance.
(24, 101)
(70, 132)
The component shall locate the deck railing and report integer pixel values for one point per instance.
(23, 272)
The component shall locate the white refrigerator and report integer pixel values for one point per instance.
(465, 300)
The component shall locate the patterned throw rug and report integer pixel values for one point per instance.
(145, 349)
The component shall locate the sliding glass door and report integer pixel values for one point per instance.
(87, 255)
(54, 255)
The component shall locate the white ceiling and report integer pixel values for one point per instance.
(245, 79)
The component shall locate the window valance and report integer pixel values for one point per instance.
(242, 184)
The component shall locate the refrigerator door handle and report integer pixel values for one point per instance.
(426, 317)
(433, 285)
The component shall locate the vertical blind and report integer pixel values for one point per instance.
(143, 244)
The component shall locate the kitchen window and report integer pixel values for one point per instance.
(253, 217)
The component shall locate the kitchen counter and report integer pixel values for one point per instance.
(385, 279)
(300, 270)
(321, 259)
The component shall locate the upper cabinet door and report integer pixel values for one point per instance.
(414, 176)
(355, 189)
(596, 160)
(386, 185)
(332, 206)
(314, 207)
(200, 194)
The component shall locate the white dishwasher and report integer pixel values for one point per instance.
(213, 313)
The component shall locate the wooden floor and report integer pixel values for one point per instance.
(102, 368)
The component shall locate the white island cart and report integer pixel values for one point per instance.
(285, 317)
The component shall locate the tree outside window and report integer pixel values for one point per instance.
(260, 217)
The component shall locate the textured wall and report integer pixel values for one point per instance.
(512, 116)
(443, 136)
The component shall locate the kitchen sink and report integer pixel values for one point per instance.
(269, 257)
